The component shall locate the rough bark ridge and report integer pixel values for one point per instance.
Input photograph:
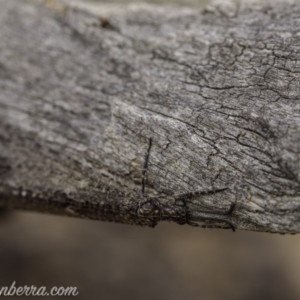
(217, 91)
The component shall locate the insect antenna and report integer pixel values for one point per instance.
(145, 166)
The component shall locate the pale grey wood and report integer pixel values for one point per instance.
(83, 89)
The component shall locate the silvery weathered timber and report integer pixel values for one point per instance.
(112, 112)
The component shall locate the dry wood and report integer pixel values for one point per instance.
(83, 89)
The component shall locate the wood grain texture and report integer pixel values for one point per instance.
(217, 90)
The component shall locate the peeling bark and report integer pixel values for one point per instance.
(84, 89)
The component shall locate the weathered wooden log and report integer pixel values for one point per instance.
(113, 112)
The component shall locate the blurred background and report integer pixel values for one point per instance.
(115, 261)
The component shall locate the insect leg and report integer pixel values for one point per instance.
(189, 195)
(199, 219)
(200, 193)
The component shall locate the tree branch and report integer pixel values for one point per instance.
(84, 89)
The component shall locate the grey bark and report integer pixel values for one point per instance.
(83, 89)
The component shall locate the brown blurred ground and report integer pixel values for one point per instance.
(113, 261)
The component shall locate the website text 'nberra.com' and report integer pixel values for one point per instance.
(31, 290)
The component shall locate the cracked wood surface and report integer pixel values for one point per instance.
(217, 90)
